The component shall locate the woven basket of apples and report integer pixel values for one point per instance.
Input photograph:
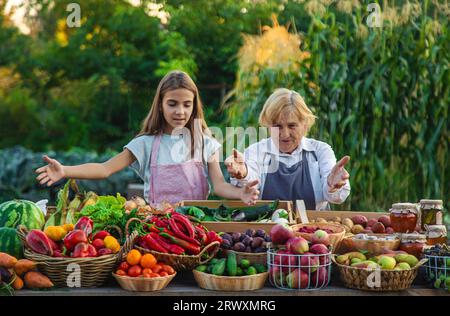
(297, 264)
(325, 233)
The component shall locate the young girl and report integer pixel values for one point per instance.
(173, 167)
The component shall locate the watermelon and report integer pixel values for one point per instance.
(10, 242)
(21, 212)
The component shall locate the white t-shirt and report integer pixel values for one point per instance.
(172, 150)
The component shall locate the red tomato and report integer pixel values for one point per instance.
(135, 271)
(124, 266)
(163, 273)
(168, 269)
(121, 272)
(154, 275)
(157, 268)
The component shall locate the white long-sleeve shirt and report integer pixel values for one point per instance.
(262, 158)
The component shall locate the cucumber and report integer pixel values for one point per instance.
(201, 268)
(239, 271)
(251, 270)
(245, 263)
(214, 261)
(232, 264)
(219, 268)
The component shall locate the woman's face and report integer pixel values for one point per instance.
(287, 132)
(177, 107)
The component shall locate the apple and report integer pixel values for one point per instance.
(322, 251)
(297, 245)
(320, 237)
(309, 263)
(320, 277)
(285, 260)
(297, 279)
(280, 233)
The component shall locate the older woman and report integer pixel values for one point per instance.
(289, 165)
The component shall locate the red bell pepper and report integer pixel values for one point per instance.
(190, 248)
(85, 224)
(150, 243)
(177, 250)
(101, 235)
(81, 250)
(73, 238)
(212, 236)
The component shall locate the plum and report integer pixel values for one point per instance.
(247, 240)
(267, 238)
(227, 237)
(239, 247)
(226, 244)
(248, 249)
(257, 242)
(250, 232)
(260, 233)
(236, 237)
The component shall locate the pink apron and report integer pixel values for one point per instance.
(176, 182)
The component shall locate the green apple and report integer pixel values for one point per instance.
(403, 266)
(387, 263)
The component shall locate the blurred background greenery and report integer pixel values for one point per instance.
(381, 94)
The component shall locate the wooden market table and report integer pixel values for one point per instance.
(184, 285)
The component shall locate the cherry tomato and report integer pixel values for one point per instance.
(124, 266)
(121, 272)
(135, 271)
(163, 273)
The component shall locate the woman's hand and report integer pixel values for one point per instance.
(338, 175)
(236, 166)
(50, 173)
(250, 192)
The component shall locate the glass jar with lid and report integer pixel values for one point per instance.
(413, 244)
(436, 234)
(404, 217)
(431, 212)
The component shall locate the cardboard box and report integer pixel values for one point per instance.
(240, 226)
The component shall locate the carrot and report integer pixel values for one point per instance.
(7, 261)
(18, 283)
(36, 280)
(23, 266)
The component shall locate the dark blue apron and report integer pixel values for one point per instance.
(291, 183)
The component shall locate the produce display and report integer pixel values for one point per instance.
(360, 224)
(234, 214)
(175, 233)
(75, 241)
(17, 274)
(230, 267)
(438, 266)
(137, 265)
(392, 260)
(296, 263)
(250, 241)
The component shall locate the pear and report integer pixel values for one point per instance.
(387, 263)
(409, 259)
(402, 266)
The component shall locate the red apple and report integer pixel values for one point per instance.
(297, 245)
(277, 277)
(385, 220)
(297, 279)
(371, 222)
(309, 262)
(285, 260)
(320, 237)
(378, 228)
(320, 277)
(280, 233)
(390, 230)
(323, 253)
(98, 244)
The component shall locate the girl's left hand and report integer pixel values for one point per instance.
(338, 175)
(250, 192)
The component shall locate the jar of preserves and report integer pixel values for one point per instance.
(404, 217)
(431, 212)
(413, 244)
(436, 234)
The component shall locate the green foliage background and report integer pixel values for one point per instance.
(382, 95)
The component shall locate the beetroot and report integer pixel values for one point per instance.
(281, 233)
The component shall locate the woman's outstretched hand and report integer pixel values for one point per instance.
(51, 173)
(338, 175)
(250, 192)
(236, 166)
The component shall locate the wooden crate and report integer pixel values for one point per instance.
(240, 226)
(328, 215)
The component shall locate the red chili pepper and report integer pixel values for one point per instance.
(73, 238)
(186, 223)
(177, 250)
(152, 244)
(201, 235)
(85, 224)
(178, 233)
(190, 248)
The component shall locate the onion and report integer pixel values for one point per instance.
(130, 205)
(138, 200)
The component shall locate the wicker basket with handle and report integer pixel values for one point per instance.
(179, 262)
(94, 271)
(366, 279)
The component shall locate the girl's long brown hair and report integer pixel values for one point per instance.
(154, 123)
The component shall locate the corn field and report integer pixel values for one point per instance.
(381, 94)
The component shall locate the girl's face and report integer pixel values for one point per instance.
(177, 107)
(287, 132)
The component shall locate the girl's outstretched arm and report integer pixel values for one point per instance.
(55, 171)
(248, 194)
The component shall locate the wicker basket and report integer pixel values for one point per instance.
(93, 271)
(373, 247)
(179, 262)
(254, 258)
(142, 284)
(233, 284)
(390, 280)
(335, 238)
